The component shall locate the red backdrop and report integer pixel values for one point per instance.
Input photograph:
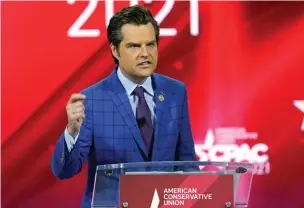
(242, 63)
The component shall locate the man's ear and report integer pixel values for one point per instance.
(114, 51)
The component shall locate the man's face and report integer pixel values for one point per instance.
(137, 52)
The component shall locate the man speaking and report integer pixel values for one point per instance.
(133, 115)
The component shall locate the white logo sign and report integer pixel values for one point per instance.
(223, 145)
(178, 196)
(300, 105)
(155, 200)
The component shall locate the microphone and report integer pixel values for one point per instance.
(141, 121)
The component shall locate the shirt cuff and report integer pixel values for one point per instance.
(70, 141)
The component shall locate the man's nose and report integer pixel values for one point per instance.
(143, 51)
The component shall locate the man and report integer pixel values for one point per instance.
(134, 115)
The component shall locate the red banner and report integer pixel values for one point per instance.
(242, 63)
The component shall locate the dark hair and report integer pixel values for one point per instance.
(137, 15)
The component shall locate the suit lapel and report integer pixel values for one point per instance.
(120, 98)
(163, 115)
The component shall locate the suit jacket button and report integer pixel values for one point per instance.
(62, 157)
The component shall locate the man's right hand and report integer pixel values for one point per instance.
(75, 113)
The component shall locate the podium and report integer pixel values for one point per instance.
(172, 184)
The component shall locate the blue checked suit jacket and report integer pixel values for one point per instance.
(109, 133)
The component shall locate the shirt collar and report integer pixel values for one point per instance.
(130, 86)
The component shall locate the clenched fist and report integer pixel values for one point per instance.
(75, 113)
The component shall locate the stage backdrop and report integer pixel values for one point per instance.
(242, 63)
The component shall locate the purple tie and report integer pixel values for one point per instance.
(143, 118)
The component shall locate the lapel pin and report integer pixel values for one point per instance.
(161, 98)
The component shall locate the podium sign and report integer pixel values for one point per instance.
(165, 184)
(176, 190)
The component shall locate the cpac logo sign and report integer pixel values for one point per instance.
(223, 145)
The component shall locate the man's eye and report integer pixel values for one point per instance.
(133, 46)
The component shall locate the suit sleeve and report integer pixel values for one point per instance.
(64, 163)
(185, 146)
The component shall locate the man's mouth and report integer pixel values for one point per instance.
(144, 63)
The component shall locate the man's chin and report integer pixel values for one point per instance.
(145, 71)
(147, 67)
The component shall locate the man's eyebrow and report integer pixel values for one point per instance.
(137, 44)
(153, 41)
(132, 44)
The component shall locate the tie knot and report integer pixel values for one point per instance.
(139, 91)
